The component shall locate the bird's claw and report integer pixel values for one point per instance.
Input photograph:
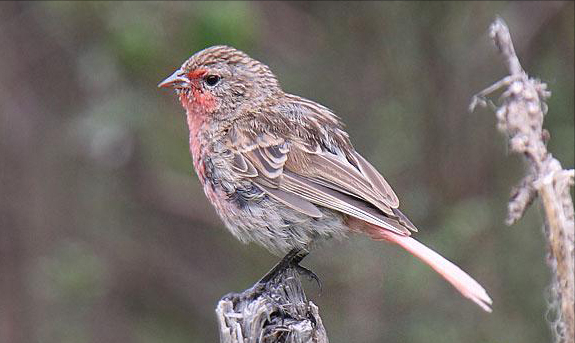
(310, 275)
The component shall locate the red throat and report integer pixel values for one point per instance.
(199, 105)
(198, 101)
(196, 124)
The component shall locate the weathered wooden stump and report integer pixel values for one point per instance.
(277, 311)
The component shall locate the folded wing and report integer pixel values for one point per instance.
(304, 177)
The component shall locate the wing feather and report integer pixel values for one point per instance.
(269, 169)
(333, 169)
(292, 200)
(329, 198)
(303, 175)
(378, 182)
(243, 166)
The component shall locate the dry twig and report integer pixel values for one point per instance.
(520, 116)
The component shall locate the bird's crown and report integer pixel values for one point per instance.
(232, 57)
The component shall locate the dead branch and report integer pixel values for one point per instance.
(275, 312)
(520, 116)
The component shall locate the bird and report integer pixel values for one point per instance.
(281, 171)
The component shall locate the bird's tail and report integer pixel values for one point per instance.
(464, 283)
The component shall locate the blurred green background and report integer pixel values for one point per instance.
(106, 236)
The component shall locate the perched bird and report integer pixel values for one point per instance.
(281, 171)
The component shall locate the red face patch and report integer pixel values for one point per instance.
(203, 100)
(197, 74)
(200, 100)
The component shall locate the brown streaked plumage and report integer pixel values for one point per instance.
(281, 171)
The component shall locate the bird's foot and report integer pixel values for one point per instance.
(274, 276)
(291, 260)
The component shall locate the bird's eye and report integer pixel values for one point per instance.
(212, 80)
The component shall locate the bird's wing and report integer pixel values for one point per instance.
(303, 176)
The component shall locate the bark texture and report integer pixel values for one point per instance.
(275, 312)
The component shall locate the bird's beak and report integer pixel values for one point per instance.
(178, 78)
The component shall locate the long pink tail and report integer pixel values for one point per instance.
(458, 278)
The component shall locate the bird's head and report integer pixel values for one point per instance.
(220, 79)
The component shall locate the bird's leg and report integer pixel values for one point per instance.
(290, 260)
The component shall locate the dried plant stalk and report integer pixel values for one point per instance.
(520, 117)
